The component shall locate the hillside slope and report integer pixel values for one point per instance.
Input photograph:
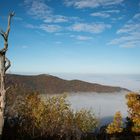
(47, 84)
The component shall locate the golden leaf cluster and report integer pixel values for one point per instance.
(117, 125)
(53, 117)
(133, 103)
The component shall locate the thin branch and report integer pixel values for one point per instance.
(7, 89)
(9, 23)
(8, 64)
(2, 33)
(5, 34)
(3, 51)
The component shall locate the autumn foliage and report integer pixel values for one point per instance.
(53, 117)
(117, 125)
(133, 103)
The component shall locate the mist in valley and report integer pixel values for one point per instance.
(103, 105)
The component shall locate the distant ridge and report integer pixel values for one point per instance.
(48, 84)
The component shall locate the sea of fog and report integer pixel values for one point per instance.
(129, 81)
(104, 105)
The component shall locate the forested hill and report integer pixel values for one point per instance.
(47, 84)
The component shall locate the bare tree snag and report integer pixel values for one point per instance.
(4, 66)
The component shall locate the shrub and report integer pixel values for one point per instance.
(133, 103)
(53, 117)
(117, 125)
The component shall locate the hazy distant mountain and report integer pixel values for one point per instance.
(47, 84)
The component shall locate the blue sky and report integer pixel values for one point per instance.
(73, 36)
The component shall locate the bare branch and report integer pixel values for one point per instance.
(2, 33)
(5, 34)
(8, 64)
(9, 23)
(3, 51)
(7, 89)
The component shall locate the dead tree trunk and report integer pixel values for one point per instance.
(4, 65)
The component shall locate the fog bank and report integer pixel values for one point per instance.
(129, 81)
(103, 104)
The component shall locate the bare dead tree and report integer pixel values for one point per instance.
(4, 66)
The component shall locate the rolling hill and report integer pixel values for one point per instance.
(47, 84)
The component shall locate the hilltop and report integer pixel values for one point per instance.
(48, 84)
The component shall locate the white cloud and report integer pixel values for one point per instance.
(37, 8)
(129, 28)
(130, 44)
(124, 39)
(40, 10)
(129, 34)
(31, 26)
(114, 19)
(91, 3)
(100, 14)
(137, 16)
(112, 11)
(104, 14)
(45, 27)
(56, 19)
(91, 28)
(81, 37)
(60, 19)
(50, 28)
